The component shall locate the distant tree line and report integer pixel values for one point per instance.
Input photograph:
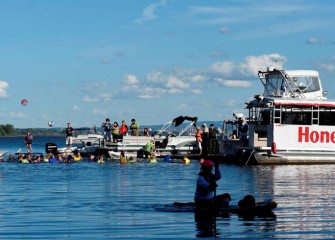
(8, 130)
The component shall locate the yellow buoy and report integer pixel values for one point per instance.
(186, 160)
(153, 160)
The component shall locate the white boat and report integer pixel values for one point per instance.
(166, 141)
(87, 137)
(229, 141)
(3, 153)
(292, 122)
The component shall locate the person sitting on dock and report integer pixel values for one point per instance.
(204, 196)
(149, 148)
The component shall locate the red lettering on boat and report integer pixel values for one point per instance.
(305, 135)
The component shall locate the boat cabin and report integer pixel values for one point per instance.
(303, 84)
(293, 122)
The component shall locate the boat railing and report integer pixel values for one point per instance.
(178, 121)
(290, 84)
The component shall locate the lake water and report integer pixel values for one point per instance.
(89, 200)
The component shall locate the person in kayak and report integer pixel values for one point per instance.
(204, 196)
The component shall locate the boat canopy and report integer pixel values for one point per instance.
(177, 122)
(303, 84)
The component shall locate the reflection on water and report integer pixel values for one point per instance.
(89, 200)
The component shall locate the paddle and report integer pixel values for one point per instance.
(215, 171)
(19, 150)
(216, 163)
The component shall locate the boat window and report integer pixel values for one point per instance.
(274, 85)
(305, 84)
(327, 117)
(296, 118)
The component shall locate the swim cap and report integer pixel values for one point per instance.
(207, 163)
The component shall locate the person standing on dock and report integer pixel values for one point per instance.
(243, 128)
(212, 139)
(134, 127)
(205, 139)
(198, 139)
(123, 129)
(115, 131)
(69, 135)
(107, 129)
(29, 141)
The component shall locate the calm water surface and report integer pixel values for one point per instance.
(88, 200)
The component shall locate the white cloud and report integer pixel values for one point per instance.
(3, 86)
(198, 78)
(327, 66)
(252, 64)
(100, 112)
(313, 41)
(170, 80)
(76, 108)
(105, 96)
(175, 91)
(17, 115)
(182, 107)
(155, 76)
(196, 91)
(149, 13)
(226, 68)
(130, 79)
(150, 92)
(174, 82)
(159, 82)
(89, 99)
(224, 30)
(233, 83)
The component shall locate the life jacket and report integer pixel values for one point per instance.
(123, 129)
(198, 136)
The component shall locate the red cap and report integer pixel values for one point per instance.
(206, 163)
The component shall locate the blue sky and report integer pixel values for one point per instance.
(81, 61)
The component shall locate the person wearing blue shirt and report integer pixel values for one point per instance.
(204, 196)
(107, 126)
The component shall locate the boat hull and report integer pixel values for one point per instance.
(295, 157)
